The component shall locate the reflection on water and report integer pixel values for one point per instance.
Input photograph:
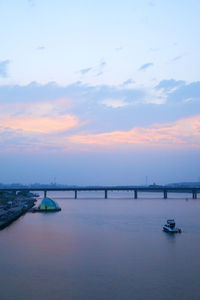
(103, 249)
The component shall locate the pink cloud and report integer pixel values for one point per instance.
(182, 132)
(39, 117)
(41, 124)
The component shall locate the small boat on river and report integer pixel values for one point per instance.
(170, 227)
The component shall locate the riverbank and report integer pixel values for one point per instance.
(11, 212)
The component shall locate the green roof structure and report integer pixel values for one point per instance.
(48, 204)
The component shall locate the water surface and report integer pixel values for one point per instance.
(103, 249)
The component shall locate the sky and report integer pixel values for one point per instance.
(99, 92)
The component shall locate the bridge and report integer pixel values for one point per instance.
(194, 191)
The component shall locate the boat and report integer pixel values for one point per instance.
(36, 195)
(170, 227)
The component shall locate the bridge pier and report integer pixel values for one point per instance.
(75, 194)
(165, 194)
(194, 194)
(106, 194)
(135, 194)
(45, 193)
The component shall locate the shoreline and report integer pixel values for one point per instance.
(12, 214)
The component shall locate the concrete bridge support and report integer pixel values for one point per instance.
(165, 194)
(135, 194)
(106, 194)
(194, 194)
(75, 194)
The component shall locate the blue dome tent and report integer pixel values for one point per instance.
(47, 205)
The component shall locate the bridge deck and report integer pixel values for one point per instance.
(107, 188)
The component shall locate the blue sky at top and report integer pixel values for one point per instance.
(79, 35)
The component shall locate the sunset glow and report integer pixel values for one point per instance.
(107, 84)
(42, 124)
(182, 132)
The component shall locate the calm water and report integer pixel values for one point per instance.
(103, 249)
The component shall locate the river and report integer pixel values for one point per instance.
(98, 249)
